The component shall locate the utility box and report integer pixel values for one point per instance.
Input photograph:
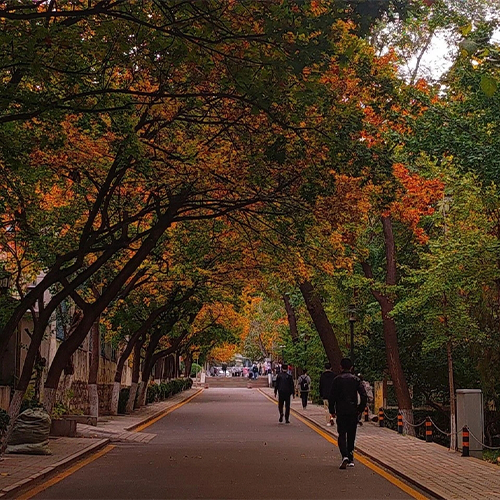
(470, 413)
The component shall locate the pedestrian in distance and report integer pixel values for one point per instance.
(343, 402)
(284, 388)
(304, 384)
(325, 384)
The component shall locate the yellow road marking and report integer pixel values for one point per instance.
(166, 412)
(375, 468)
(63, 475)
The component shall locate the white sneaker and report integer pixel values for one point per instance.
(344, 463)
(350, 464)
(329, 424)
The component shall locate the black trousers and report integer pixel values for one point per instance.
(303, 396)
(346, 427)
(284, 398)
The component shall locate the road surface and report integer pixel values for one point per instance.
(225, 444)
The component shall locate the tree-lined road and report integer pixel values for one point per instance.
(225, 443)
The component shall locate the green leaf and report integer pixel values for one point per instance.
(469, 46)
(488, 85)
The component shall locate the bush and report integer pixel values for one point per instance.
(30, 404)
(195, 369)
(160, 392)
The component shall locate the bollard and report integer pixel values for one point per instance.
(366, 414)
(381, 417)
(465, 441)
(400, 423)
(428, 429)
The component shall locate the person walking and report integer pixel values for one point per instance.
(325, 384)
(284, 389)
(343, 402)
(304, 384)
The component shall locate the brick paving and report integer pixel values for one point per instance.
(435, 469)
(17, 471)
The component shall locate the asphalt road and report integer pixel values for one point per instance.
(225, 444)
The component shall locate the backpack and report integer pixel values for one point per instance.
(304, 385)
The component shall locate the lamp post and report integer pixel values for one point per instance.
(352, 319)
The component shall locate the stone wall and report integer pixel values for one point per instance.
(73, 389)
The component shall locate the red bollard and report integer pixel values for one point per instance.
(366, 414)
(381, 417)
(428, 429)
(465, 441)
(400, 423)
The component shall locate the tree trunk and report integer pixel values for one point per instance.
(49, 399)
(70, 345)
(292, 318)
(322, 324)
(453, 401)
(128, 350)
(389, 326)
(115, 397)
(135, 377)
(188, 361)
(94, 369)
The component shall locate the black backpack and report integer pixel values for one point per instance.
(304, 385)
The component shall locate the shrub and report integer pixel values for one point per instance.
(160, 392)
(59, 410)
(29, 404)
(195, 369)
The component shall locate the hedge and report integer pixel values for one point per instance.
(159, 392)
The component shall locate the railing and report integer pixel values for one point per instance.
(429, 426)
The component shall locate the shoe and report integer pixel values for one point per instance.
(350, 464)
(281, 418)
(329, 424)
(360, 423)
(344, 463)
(287, 421)
(332, 421)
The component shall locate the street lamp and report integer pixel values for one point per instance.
(352, 319)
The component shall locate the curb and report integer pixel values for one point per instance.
(158, 413)
(372, 458)
(62, 464)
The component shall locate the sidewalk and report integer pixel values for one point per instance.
(17, 471)
(429, 466)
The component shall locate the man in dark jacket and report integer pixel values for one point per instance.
(284, 389)
(343, 401)
(325, 384)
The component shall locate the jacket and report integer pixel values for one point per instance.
(284, 384)
(343, 398)
(325, 383)
(308, 381)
